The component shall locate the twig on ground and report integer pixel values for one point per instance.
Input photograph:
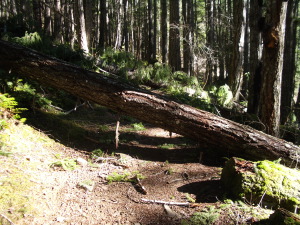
(165, 203)
(104, 159)
(5, 217)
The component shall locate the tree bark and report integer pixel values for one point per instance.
(289, 65)
(146, 106)
(164, 32)
(174, 37)
(273, 36)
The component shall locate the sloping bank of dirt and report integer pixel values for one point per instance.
(171, 170)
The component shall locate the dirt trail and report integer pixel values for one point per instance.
(170, 167)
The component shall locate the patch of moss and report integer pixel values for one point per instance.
(267, 183)
(15, 187)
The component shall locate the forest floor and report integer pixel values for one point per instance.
(35, 189)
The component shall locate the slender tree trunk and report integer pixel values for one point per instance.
(89, 21)
(57, 31)
(174, 37)
(209, 5)
(273, 37)
(255, 23)
(163, 30)
(80, 25)
(120, 17)
(236, 67)
(289, 64)
(37, 14)
(150, 56)
(102, 24)
(125, 27)
(47, 18)
(158, 110)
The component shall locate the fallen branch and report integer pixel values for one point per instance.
(165, 203)
(5, 217)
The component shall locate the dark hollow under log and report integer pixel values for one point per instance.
(146, 106)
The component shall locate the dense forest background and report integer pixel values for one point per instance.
(229, 57)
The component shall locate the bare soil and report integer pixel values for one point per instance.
(176, 170)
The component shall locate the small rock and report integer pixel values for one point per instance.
(60, 219)
(81, 161)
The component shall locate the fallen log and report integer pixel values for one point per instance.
(202, 126)
(263, 183)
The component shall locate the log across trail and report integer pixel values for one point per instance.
(202, 126)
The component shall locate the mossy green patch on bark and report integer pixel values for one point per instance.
(264, 182)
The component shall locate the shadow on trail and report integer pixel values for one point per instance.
(88, 130)
(208, 191)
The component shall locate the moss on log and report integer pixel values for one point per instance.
(266, 183)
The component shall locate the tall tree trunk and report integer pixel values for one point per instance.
(236, 67)
(151, 54)
(89, 21)
(209, 5)
(47, 18)
(37, 14)
(174, 37)
(102, 25)
(158, 110)
(256, 23)
(289, 64)
(57, 31)
(125, 27)
(80, 25)
(273, 37)
(163, 30)
(120, 17)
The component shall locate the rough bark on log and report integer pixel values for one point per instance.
(282, 216)
(264, 183)
(146, 106)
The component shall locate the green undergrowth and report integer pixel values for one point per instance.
(124, 177)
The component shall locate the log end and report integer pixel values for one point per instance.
(266, 183)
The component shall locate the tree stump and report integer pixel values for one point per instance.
(266, 183)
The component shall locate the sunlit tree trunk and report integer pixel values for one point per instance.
(289, 66)
(80, 25)
(47, 18)
(174, 37)
(120, 17)
(236, 66)
(273, 37)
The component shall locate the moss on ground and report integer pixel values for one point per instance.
(266, 183)
(23, 146)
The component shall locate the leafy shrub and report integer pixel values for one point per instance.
(66, 164)
(8, 109)
(207, 216)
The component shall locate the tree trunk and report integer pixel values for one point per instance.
(174, 37)
(273, 37)
(236, 66)
(80, 25)
(146, 106)
(102, 25)
(289, 65)
(164, 32)
(255, 23)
